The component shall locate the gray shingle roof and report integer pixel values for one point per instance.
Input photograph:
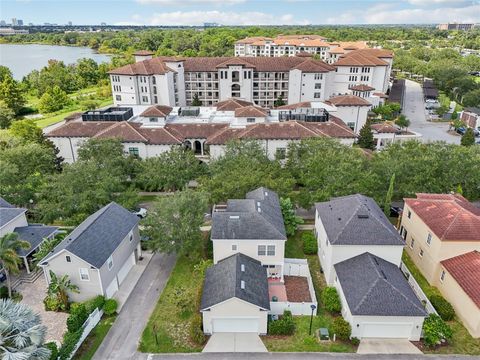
(8, 214)
(95, 239)
(34, 234)
(223, 282)
(259, 216)
(376, 287)
(357, 220)
(4, 203)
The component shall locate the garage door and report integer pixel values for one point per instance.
(122, 274)
(235, 325)
(387, 330)
(112, 288)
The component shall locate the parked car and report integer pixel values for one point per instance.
(140, 212)
(461, 130)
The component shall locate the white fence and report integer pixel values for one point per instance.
(296, 267)
(88, 325)
(417, 289)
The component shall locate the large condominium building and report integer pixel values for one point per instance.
(294, 45)
(457, 26)
(174, 81)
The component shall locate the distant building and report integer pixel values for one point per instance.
(103, 24)
(19, 22)
(209, 25)
(456, 26)
(69, 23)
(3, 23)
(11, 31)
(14, 22)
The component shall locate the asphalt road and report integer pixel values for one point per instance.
(122, 340)
(414, 109)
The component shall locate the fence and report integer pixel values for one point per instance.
(88, 325)
(417, 289)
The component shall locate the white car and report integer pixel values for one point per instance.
(140, 212)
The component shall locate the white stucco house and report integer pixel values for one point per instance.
(98, 254)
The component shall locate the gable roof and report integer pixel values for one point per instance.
(348, 100)
(5, 204)
(451, 217)
(250, 111)
(146, 67)
(96, 238)
(223, 282)
(157, 111)
(257, 217)
(465, 269)
(363, 57)
(232, 104)
(375, 287)
(34, 235)
(123, 130)
(356, 220)
(7, 214)
(362, 87)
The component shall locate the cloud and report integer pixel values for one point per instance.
(441, 3)
(190, 2)
(196, 18)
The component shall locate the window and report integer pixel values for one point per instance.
(131, 238)
(118, 98)
(110, 263)
(412, 242)
(271, 250)
(409, 214)
(144, 98)
(420, 253)
(262, 250)
(133, 151)
(250, 120)
(429, 238)
(234, 247)
(68, 258)
(318, 76)
(317, 95)
(84, 276)
(442, 276)
(351, 125)
(153, 119)
(281, 153)
(318, 86)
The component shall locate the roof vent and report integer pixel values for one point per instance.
(258, 203)
(259, 210)
(362, 215)
(242, 267)
(234, 217)
(242, 284)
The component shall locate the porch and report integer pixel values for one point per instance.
(35, 235)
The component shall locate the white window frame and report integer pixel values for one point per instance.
(442, 276)
(421, 253)
(84, 271)
(429, 239)
(412, 242)
(234, 247)
(269, 250)
(68, 258)
(264, 250)
(110, 262)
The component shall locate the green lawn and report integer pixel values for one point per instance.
(94, 339)
(462, 342)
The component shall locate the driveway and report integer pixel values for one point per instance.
(234, 342)
(387, 346)
(414, 109)
(33, 295)
(122, 340)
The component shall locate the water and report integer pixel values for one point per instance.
(22, 59)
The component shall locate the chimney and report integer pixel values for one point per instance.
(142, 55)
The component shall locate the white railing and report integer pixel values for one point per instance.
(417, 289)
(296, 267)
(88, 325)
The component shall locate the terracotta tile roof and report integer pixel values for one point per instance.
(382, 95)
(250, 111)
(191, 131)
(384, 127)
(145, 67)
(380, 53)
(232, 104)
(361, 57)
(159, 136)
(348, 100)
(225, 135)
(143, 53)
(157, 111)
(304, 54)
(304, 104)
(362, 87)
(79, 129)
(250, 40)
(234, 61)
(465, 269)
(450, 217)
(337, 50)
(314, 66)
(122, 130)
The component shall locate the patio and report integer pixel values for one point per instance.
(294, 289)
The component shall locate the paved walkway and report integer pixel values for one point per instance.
(387, 346)
(298, 356)
(234, 342)
(122, 340)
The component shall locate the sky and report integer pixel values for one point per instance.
(240, 12)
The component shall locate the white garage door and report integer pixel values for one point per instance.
(235, 325)
(387, 330)
(122, 274)
(112, 288)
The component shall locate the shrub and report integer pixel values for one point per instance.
(355, 341)
(69, 341)
(3, 292)
(310, 246)
(96, 302)
(331, 300)
(283, 326)
(52, 303)
(53, 350)
(78, 315)
(443, 307)
(196, 332)
(110, 306)
(341, 328)
(435, 330)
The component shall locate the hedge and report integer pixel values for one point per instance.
(70, 340)
(110, 307)
(196, 331)
(53, 350)
(96, 302)
(283, 326)
(341, 328)
(331, 300)
(443, 307)
(310, 245)
(78, 315)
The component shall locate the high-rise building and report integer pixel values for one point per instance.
(3, 23)
(19, 22)
(14, 22)
(69, 23)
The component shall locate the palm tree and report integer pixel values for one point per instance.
(21, 333)
(9, 259)
(60, 287)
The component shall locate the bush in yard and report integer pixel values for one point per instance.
(69, 341)
(331, 300)
(435, 330)
(310, 246)
(78, 315)
(96, 302)
(355, 341)
(3, 292)
(110, 306)
(196, 332)
(443, 307)
(51, 303)
(341, 328)
(53, 350)
(283, 326)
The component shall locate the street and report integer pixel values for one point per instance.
(414, 109)
(122, 340)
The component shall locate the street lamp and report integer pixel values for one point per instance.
(313, 307)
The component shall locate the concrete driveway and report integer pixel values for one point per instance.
(234, 342)
(387, 346)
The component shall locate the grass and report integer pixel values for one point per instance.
(94, 339)
(462, 342)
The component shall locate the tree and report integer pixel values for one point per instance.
(365, 137)
(4, 72)
(7, 115)
(12, 94)
(53, 100)
(279, 102)
(290, 220)
(435, 330)
(196, 101)
(388, 198)
(59, 288)
(28, 131)
(87, 72)
(174, 223)
(403, 122)
(468, 139)
(22, 335)
(9, 259)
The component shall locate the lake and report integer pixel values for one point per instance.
(23, 58)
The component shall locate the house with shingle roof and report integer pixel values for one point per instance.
(98, 254)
